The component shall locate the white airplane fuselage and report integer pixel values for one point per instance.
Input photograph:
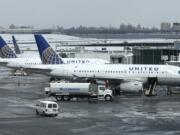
(27, 62)
(165, 74)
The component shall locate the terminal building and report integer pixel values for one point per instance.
(130, 55)
(155, 55)
(127, 51)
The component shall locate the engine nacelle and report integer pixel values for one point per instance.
(133, 86)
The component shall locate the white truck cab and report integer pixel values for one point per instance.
(104, 94)
(47, 108)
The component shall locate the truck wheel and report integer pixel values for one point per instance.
(108, 98)
(66, 98)
(59, 98)
(55, 115)
(52, 79)
(37, 113)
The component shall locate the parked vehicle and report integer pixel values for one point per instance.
(47, 108)
(67, 91)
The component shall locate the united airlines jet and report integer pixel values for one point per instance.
(12, 61)
(130, 77)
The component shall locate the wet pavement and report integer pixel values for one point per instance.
(126, 115)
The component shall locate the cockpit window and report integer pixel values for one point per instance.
(178, 72)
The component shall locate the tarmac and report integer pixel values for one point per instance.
(125, 115)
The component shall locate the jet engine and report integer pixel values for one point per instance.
(133, 86)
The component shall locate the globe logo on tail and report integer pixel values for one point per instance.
(6, 52)
(50, 57)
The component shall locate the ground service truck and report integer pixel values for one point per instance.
(67, 91)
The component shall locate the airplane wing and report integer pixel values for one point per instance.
(3, 63)
(38, 70)
(93, 77)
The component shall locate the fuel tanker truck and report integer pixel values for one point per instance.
(66, 91)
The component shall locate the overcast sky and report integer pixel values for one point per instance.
(68, 13)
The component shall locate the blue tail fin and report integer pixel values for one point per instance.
(16, 47)
(5, 50)
(47, 54)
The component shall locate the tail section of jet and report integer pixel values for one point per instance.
(47, 54)
(16, 47)
(5, 50)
